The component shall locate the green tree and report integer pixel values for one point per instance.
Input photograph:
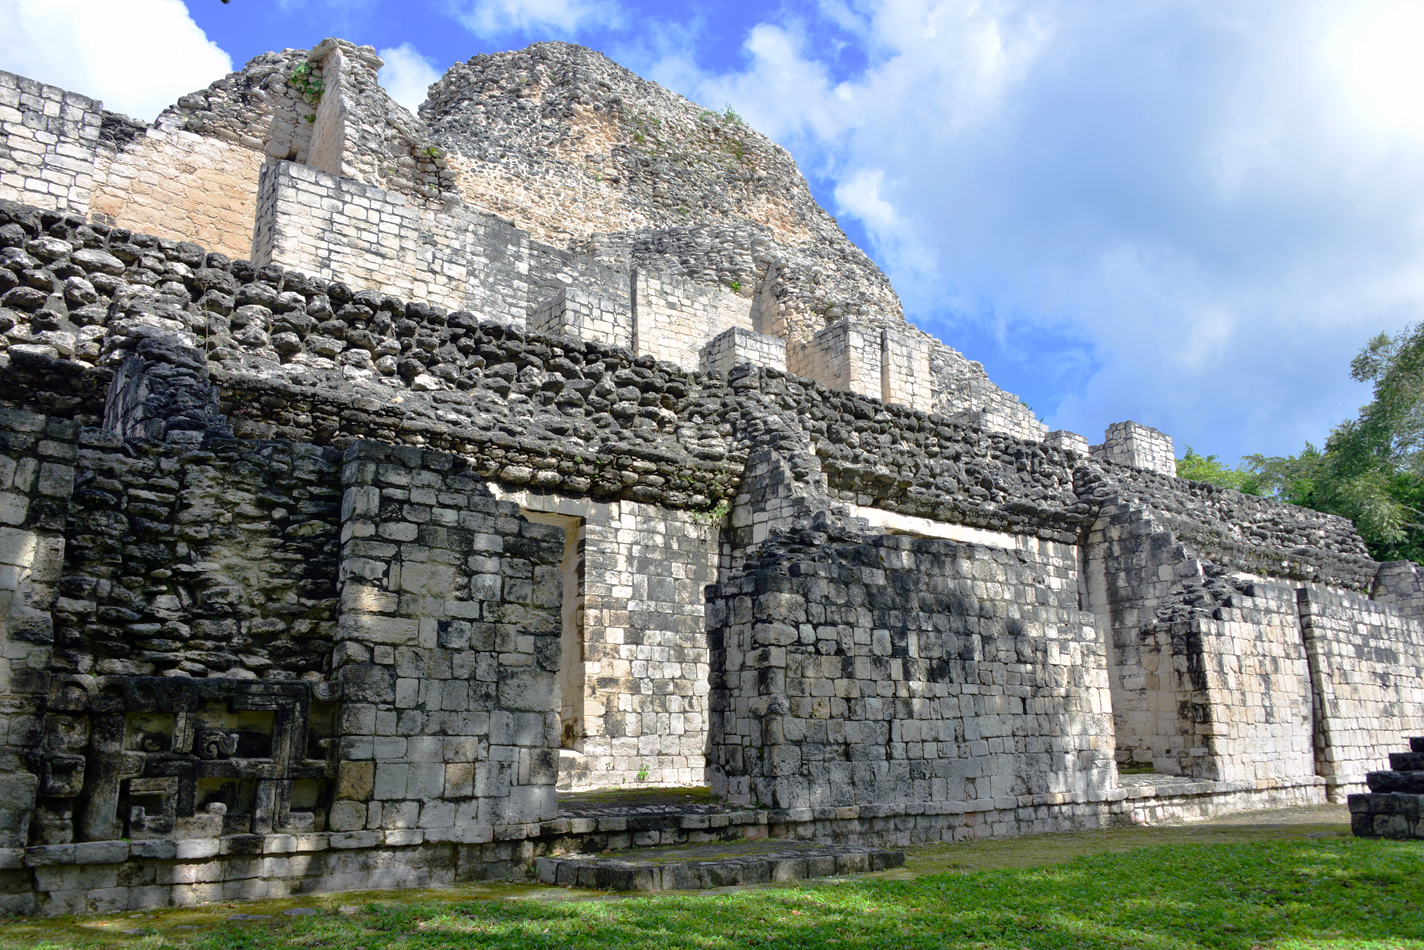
(1207, 468)
(1372, 467)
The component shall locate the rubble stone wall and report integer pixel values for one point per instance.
(215, 561)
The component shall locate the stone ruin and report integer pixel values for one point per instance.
(369, 481)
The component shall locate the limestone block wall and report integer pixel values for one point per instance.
(339, 228)
(48, 137)
(910, 673)
(1224, 696)
(36, 477)
(177, 184)
(905, 367)
(736, 345)
(643, 638)
(573, 313)
(1365, 663)
(1137, 446)
(845, 355)
(448, 651)
(674, 318)
(1067, 441)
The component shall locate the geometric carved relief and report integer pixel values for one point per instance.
(180, 757)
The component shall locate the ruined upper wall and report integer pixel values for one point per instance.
(310, 361)
(568, 144)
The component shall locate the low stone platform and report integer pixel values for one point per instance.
(719, 864)
(615, 819)
(1394, 806)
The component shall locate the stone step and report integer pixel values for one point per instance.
(1395, 815)
(1410, 783)
(1406, 761)
(1416, 743)
(719, 864)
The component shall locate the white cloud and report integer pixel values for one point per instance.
(138, 56)
(1187, 214)
(407, 75)
(492, 18)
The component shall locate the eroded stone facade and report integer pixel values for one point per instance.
(333, 568)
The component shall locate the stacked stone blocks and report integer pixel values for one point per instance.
(47, 141)
(573, 313)
(1137, 446)
(447, 649)
(737, 345)
(1394, 805)
(859, 669)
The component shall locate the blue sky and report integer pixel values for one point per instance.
(1188, 214)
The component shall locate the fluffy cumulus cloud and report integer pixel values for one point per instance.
(496, 18)
(138, 56)
(407, 75)
(1186, 214)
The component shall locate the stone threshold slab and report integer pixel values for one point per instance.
(721, 864)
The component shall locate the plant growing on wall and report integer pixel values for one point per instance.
(309, 85)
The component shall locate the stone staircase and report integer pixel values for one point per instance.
(683, 839)
(1394, 805)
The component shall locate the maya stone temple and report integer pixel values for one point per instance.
(372, 483)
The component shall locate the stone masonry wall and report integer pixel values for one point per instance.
(337, 227)
(36, 478)
(1364, 657)
(1137, 446)
(643, 634)
(905, 368)
(180, 185)
(855, 669)
(674, 318)
(47, 141)
(1221, 695)
(567, 412)
(211, 560)
(448, 651)
(573, 313)
(736, 345)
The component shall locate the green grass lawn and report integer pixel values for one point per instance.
(1322, 891)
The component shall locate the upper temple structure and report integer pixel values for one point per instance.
(369, 481)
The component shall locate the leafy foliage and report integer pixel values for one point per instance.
(1372, 467)
(1207, 468)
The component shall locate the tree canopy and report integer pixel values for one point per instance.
(1372, 467)
(1207, 468)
